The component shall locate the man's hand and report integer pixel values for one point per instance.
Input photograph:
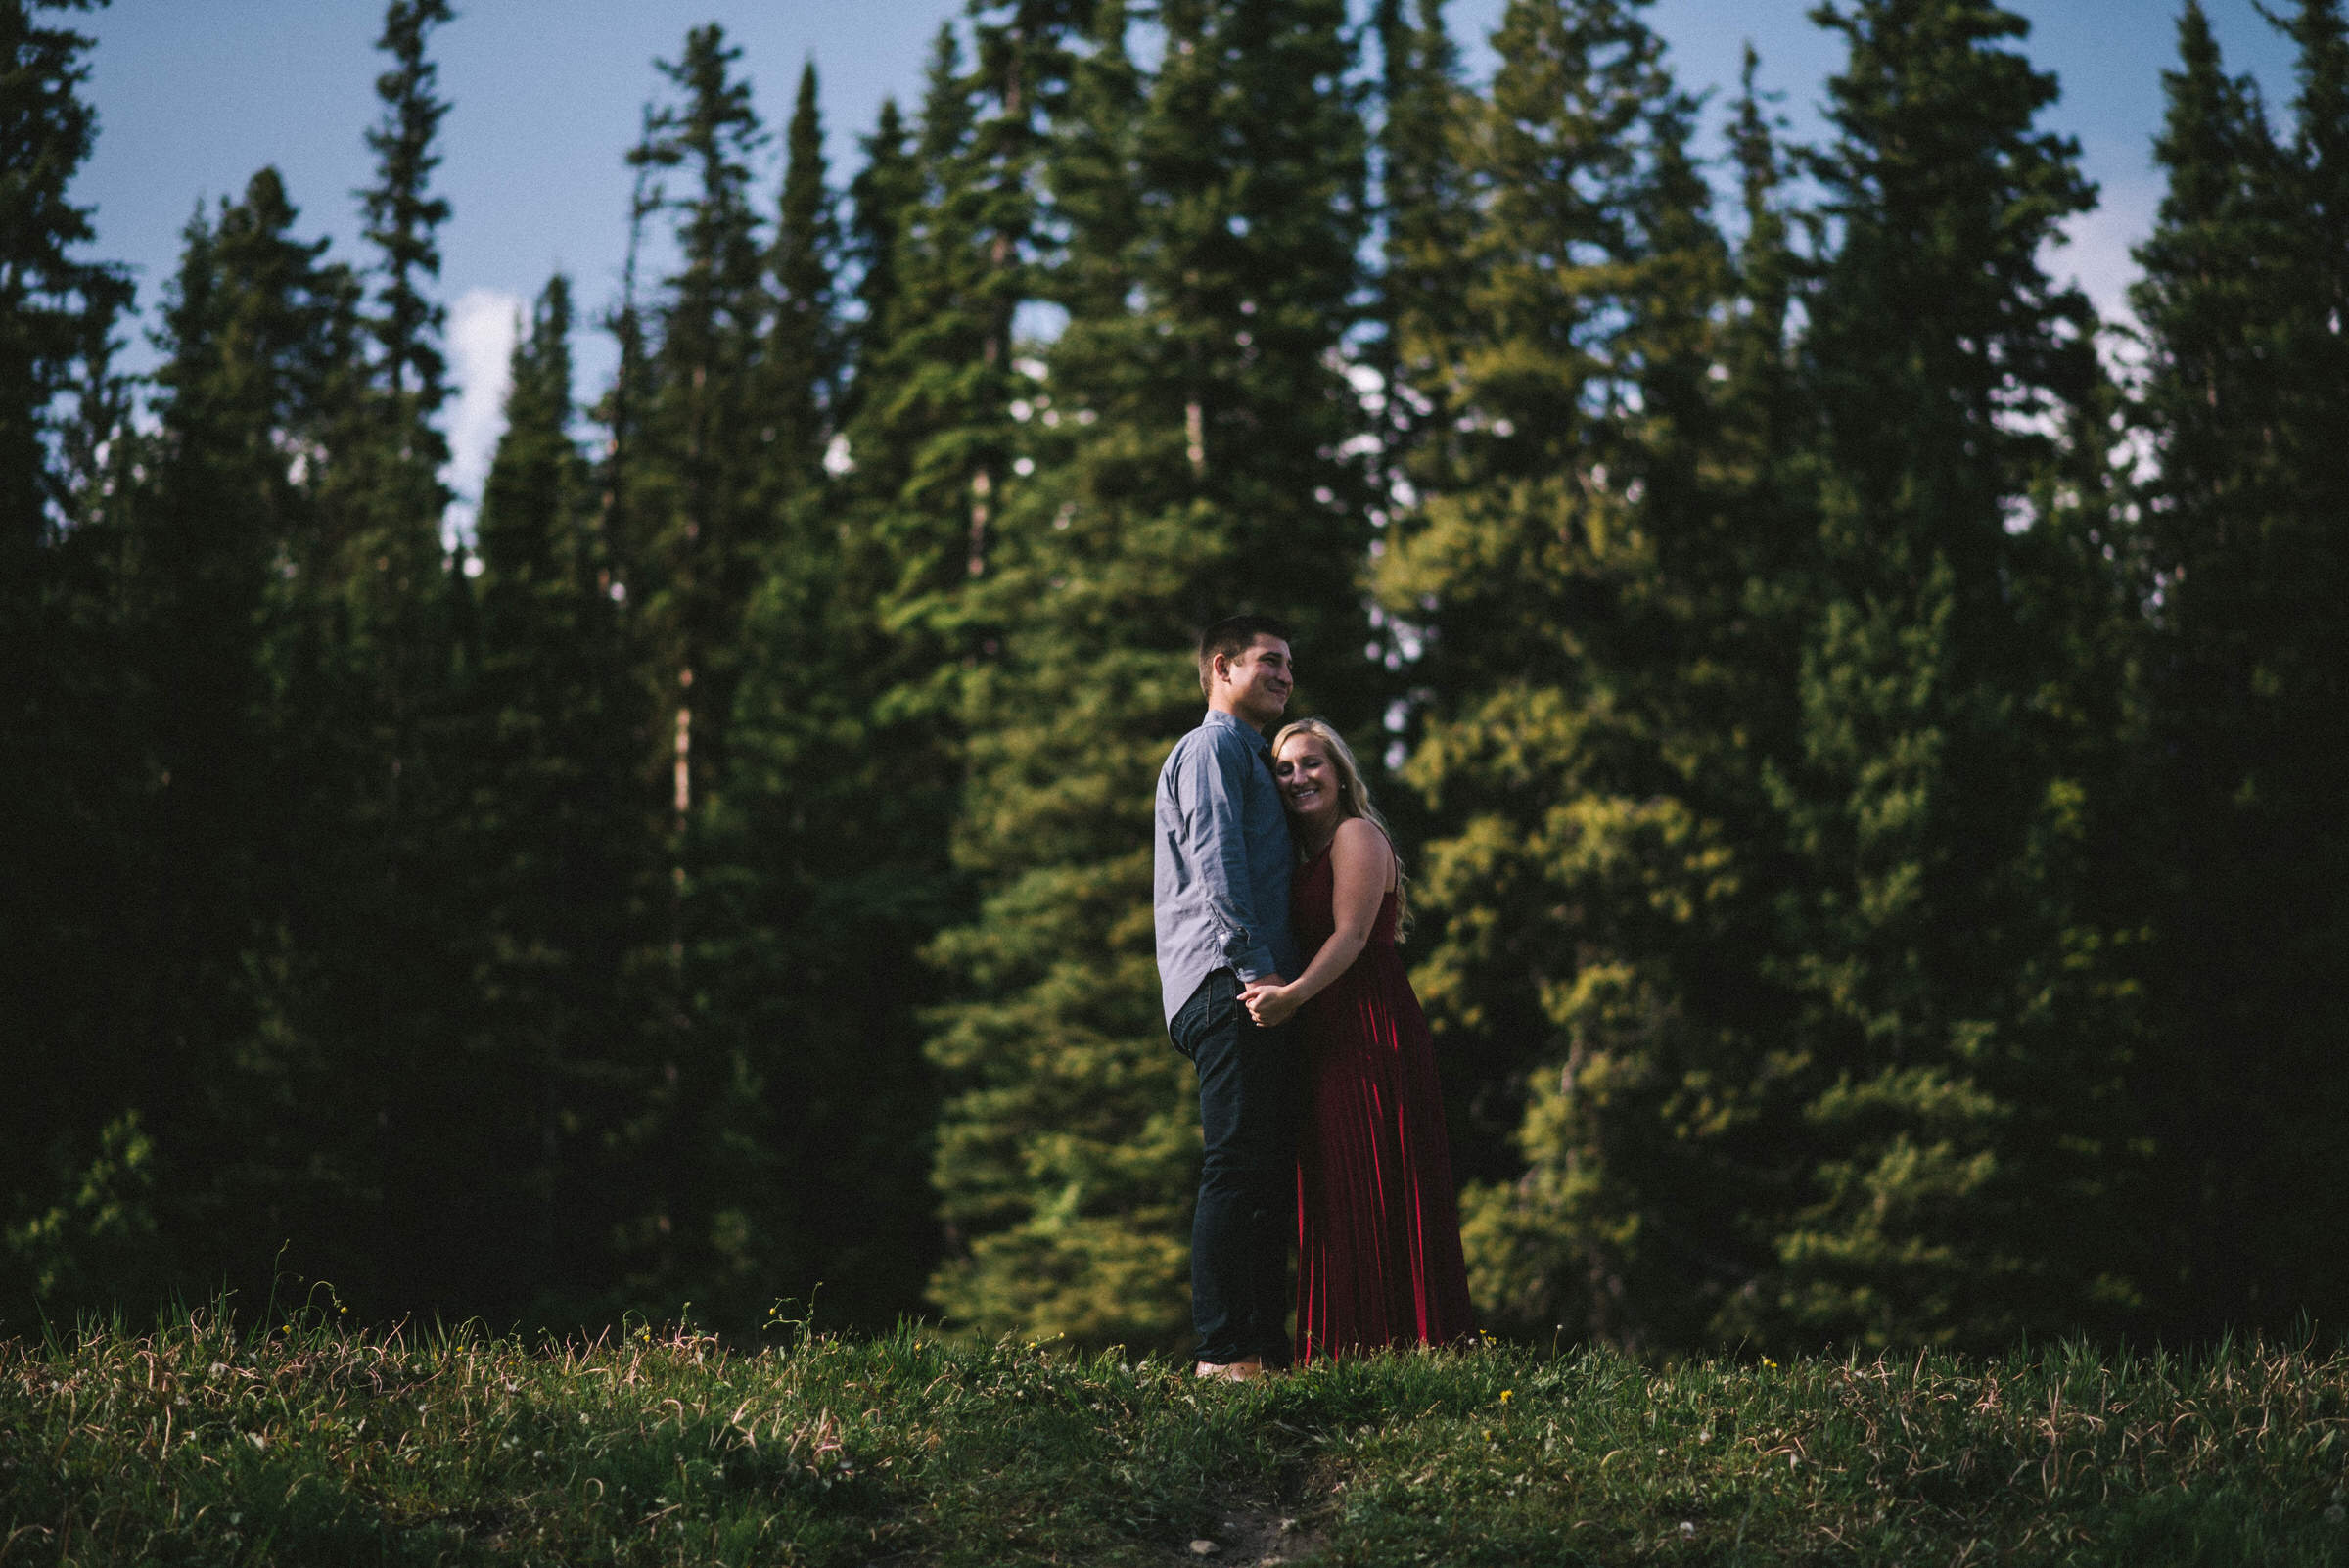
(1268, 1001)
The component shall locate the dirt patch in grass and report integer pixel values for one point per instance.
(1255, 1536)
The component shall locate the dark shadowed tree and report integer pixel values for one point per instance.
(2246, 279)
(686, 520)
(254, 331)
(369, 980)
(61, 763)
(558, 848)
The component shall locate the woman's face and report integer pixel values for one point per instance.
(1309, 780)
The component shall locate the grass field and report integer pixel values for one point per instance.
(200, 1445)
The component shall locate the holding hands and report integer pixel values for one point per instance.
(1270, 1002)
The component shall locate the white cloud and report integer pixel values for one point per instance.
(2097, 258)
(482, 328)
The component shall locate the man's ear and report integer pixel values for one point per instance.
(1218, 668)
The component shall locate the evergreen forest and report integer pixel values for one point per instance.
(1855, 720)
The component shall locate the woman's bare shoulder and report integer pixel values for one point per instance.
(1358, 839)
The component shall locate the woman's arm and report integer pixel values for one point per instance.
(1362, 864)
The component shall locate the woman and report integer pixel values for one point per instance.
(1378, 1227)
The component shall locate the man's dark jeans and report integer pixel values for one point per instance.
(1247, 1211)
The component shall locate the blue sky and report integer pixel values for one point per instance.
(193, 97)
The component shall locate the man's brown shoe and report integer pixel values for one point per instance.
(1232, 1371)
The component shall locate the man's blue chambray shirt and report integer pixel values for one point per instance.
(1221, 860)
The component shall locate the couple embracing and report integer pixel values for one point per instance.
(1277, 892)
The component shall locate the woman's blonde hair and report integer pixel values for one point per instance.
(1354, 799)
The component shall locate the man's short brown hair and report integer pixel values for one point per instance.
(1232, 636)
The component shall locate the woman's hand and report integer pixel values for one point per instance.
(1270, 1005)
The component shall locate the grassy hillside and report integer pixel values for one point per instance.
(306, 1445)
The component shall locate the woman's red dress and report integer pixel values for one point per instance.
(1378, 1230)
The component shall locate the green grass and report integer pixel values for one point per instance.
(305, 1444)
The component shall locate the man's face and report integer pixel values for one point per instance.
(1258, 680)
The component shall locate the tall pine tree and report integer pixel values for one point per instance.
(804, 352)
(697, 475)
(1425, 217)
(1186, 450)
(368, 701)
(829, 849)
(557, 845)
(254, 329)
(1592, 558)
(58, 306)
(2243, 300)
(60, 770)
(696, 540)
(1944, 1053)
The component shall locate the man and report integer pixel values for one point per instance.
(1222, 860)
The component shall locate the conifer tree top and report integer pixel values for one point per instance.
(403, 219)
